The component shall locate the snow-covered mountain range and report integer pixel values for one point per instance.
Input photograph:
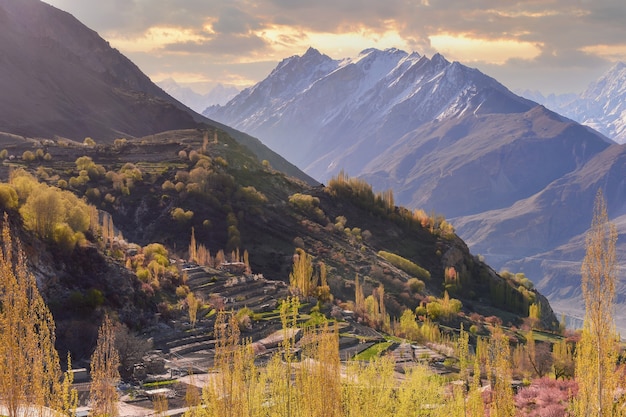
(318, 112)
(601, 106)
(443, 136)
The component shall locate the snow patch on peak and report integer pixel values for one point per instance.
(368, 51)
(374, 53)
(284, 63)
(311, 57)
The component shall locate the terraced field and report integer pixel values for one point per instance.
(188, 348)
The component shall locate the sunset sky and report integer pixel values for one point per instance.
(546, 45)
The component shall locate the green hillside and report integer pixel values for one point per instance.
(162, 188)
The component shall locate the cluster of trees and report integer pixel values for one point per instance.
(52, 214)
(383, 204)
(311, 382)
(408, 327)
(30, 372)
(355, 234)
(436, 223)
(439, 309)
(308, 205)
(360, 192)
(152, 266)
(305, 282)
(30, 156)
(305, 377)
(206, 179)
(201, 255)
(372, 309)
(31, 380)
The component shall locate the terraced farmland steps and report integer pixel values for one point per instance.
(217, 286)
(188, 348)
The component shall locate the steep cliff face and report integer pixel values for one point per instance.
(61, 78)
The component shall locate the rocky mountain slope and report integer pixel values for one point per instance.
(164, 187)
(550, 245)
(59, 78)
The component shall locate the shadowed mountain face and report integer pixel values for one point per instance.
(479, 162)
(59, 78)
(554, 216)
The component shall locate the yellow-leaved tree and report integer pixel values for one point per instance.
(105, 374)
(236, 387)
(596, 353)
(301, 279)
(30, 374)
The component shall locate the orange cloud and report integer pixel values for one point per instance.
(494, 51)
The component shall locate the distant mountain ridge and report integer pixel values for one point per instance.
(601, 106)
(220, 94)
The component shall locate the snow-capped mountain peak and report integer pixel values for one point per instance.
(314, 110)
(439, 61)
(611, 84)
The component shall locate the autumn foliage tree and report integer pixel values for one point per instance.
(237, 387)
(192, 306)
(301, 279)
(30, 374)
(105, 374)
(596, 352)
(496, 356)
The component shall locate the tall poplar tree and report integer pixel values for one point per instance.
(105, 374)
(301, 278)
(597, 350)
(30, 373)
(503, 404)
